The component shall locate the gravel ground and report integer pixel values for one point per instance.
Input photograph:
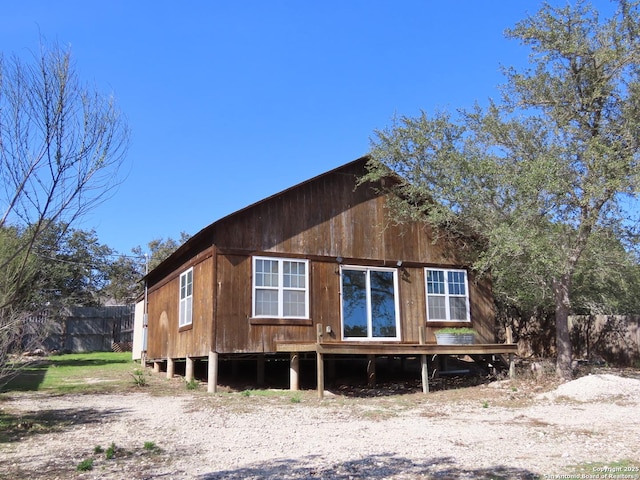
(508, 429)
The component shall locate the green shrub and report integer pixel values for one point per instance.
(192, 385)
(457, 330)
(111, 451)
(139, 378)
(85, 465)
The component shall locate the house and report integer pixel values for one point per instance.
(317, 269)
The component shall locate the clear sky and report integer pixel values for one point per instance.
(232, 101)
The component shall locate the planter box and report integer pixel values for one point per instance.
(455, 338)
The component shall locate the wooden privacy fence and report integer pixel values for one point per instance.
(612, 338)
(90, 329)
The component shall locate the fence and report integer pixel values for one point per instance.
(90, 329)
(612, 338)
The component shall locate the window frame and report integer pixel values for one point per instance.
(280, 288)
(447, 295)
(185, 317)
(396, 304)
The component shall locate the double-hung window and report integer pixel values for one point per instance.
(447, 295)
(369, 303)
(186, 298)
(280, 288)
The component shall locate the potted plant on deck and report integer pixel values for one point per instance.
(455, 336)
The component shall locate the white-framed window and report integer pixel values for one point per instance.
(186, 298)
(280, 288)
(447, 295)
(369, 303)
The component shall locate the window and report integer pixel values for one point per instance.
(447, 295)
(186, 298)
(369, 303)
(280, 288)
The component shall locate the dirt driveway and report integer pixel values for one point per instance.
(510, 429)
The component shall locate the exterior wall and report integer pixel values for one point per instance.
(320, 220)
(138, 332)
(237, 333)
(165, 338)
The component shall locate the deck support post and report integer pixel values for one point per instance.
(512, 364)
(156, 367)
(424, 366)
(261, 366)
(371, 370)
(319, 362)
(212, 372)
(170, 367)
(188, 370)
(294, 371)
(320, 373)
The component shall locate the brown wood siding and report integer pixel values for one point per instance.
(319, 220)
(328, 218)
(236, 334)
(169, 340)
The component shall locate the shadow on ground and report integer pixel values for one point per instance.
(17, 426)
(371, 467)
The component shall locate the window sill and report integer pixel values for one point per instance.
(444, 323)
(303, 322)
(184, 328)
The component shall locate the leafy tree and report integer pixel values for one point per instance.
(607, 280)
(125, 274)
(73, 266)
(533, 180)
(61, 147)
(126, 271)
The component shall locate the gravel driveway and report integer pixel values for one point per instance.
(509, 429)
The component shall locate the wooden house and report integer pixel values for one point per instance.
(318, 269)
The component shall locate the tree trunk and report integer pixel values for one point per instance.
(563, 339)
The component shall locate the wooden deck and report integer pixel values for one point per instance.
(371, 349)
(368, 348)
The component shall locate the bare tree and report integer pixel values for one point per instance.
(62, 146)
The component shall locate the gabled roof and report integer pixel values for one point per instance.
(195, 243)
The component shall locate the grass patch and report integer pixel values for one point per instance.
(74, 373)
(150, 446)
(192, 385)
(264, 393)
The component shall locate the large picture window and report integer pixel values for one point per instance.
(447, 295)
(369, 303)
(280, 288)
(186, 298)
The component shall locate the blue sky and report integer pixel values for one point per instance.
(232, 101)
